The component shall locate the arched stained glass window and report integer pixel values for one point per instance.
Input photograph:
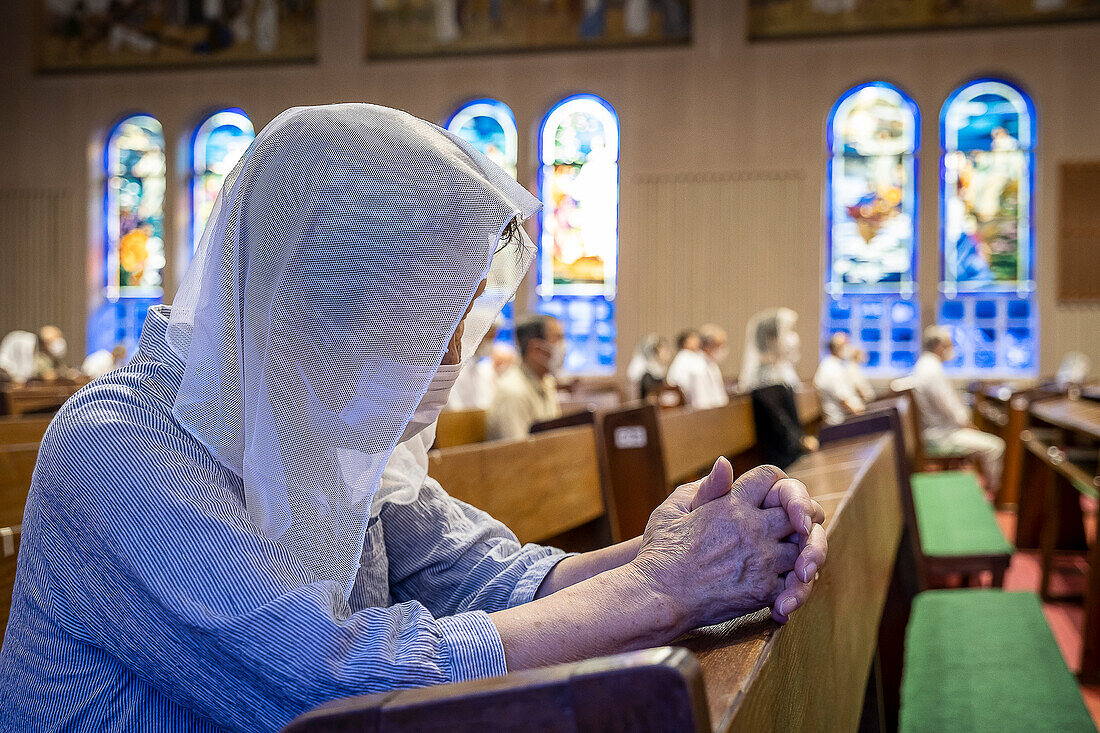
(133, 213)
(217, 145)
(579, 232)
(870, 287)
(490, 126)
(987, 286)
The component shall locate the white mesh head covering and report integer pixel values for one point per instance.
(771, 349)
(341, 255)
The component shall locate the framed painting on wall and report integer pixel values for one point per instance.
(772, 19)
(411, 28)
(86, 35)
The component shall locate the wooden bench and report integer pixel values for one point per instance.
(35, 397)
(9, 551)
(460, 427)
(542, 487)
(951, 527)
(24, 429)
(757, 676)
(985, 660)
(16, 468)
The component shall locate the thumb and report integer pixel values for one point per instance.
(717, 483)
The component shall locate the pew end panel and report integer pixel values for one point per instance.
(460, 427)
(633, 468)
(653, 690)
(16, 469)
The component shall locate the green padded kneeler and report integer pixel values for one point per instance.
(985, 660)
(954, 518)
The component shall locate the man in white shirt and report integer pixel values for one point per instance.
(695, 369)
(528, 393)
(945, 421)
(835, 385)
(856, 358)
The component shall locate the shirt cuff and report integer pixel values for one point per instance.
(473, 648)
(528, 585)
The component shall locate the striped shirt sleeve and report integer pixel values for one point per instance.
(153, 559)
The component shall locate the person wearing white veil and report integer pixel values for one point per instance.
(771, 350)
(238, 525)
(649, 365)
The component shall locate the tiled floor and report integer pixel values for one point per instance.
(1065, 618)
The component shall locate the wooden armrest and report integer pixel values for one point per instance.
(649, 690)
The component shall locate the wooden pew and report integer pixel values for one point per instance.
(958, 535)
(35, 397)
(9, 550)
(16, 467)
(460, 427)
(757, 676)
(1062, 482)
(23, 429)
(542, 486)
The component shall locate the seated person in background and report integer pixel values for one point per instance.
(710, 390)
(528, 393)
(855, 360)
(101, 362)
(945, 421)
(835, 385)
(771, 350)
(238, 525)
(26, 356)
(477, 382)
(649, 365)
(695, 373)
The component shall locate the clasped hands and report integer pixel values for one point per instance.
(718, 548)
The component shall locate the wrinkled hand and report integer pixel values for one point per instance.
(719, 548)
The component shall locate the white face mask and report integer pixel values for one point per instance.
(557, 358)
(433, 401)
(789, 347)
(57, 348)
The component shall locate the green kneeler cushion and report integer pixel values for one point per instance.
(954, 518)
(985, 660)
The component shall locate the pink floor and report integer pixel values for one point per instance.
(1065, 618)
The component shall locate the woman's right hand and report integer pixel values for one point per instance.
(719, 548)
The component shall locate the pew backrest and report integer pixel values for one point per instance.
(9, 550)
(23, 429)
(460, 427)
(691, 440)
(16, 468)
(649, 691)
(539, 486)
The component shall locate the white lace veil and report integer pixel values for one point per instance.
(768, 357)
(341, 254)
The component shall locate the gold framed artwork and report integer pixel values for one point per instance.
(417, 28)
(774, 19)
(86, 35)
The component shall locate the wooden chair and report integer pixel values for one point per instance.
(654, 690)
(543, 486)
(9, 551)
(951, 526)
(460, 427)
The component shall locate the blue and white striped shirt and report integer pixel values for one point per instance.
(147, 600)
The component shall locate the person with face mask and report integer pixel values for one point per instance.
(834, 384)
(528, 391)
(238, 525)
(945, 421)
(649, 365)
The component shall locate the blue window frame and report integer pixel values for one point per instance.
(873, 135)
(987, 241)
(579, 228)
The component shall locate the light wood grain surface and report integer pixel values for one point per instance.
(1081, 416)
(539, 487)
(810, 674)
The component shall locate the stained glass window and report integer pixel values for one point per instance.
(490, 126)
(987, 284)
(579, 232)
(217, 145)
(133, 211)
(870, 288)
